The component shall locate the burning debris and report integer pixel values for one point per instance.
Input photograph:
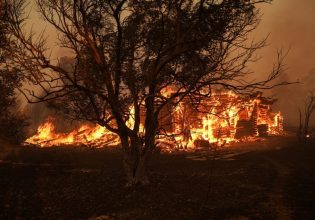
(85, 135)
(222, 118)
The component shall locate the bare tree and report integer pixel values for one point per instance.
(126, 53)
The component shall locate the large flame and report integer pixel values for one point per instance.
(222, 118)
(96, 136)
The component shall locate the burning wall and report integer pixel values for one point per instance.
(223, 117)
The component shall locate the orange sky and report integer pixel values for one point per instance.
(290, 24)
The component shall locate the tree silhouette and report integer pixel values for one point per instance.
(309, 109)
(128, 53)
(12, 123)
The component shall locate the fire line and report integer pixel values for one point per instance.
(222, 118)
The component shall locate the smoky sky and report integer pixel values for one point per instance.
(290, 25)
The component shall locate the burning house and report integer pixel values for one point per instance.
(221, 118)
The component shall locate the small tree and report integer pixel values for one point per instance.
(127, 52)
(309, 109)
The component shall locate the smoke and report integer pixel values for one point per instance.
(289, 24)
(40, 112)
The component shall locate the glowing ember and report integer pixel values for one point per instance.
(220, 119)
(95, 136)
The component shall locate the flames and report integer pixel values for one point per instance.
(220, 119)
(85, 135)
(217, 126)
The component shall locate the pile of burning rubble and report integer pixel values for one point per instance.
(220, 119)
(85, 135)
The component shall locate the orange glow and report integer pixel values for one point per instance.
(223, 118)
(220, 119)
(95, 136)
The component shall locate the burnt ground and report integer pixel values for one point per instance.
(274, 179)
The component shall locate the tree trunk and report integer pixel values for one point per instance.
(135, 161)
(306, 128)
(300, 132)
(137, 151)
(136, 170)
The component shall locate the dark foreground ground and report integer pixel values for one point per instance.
(274, 179)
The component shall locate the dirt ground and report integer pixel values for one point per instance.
(271, 179)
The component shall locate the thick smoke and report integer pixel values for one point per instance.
(290, 25)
